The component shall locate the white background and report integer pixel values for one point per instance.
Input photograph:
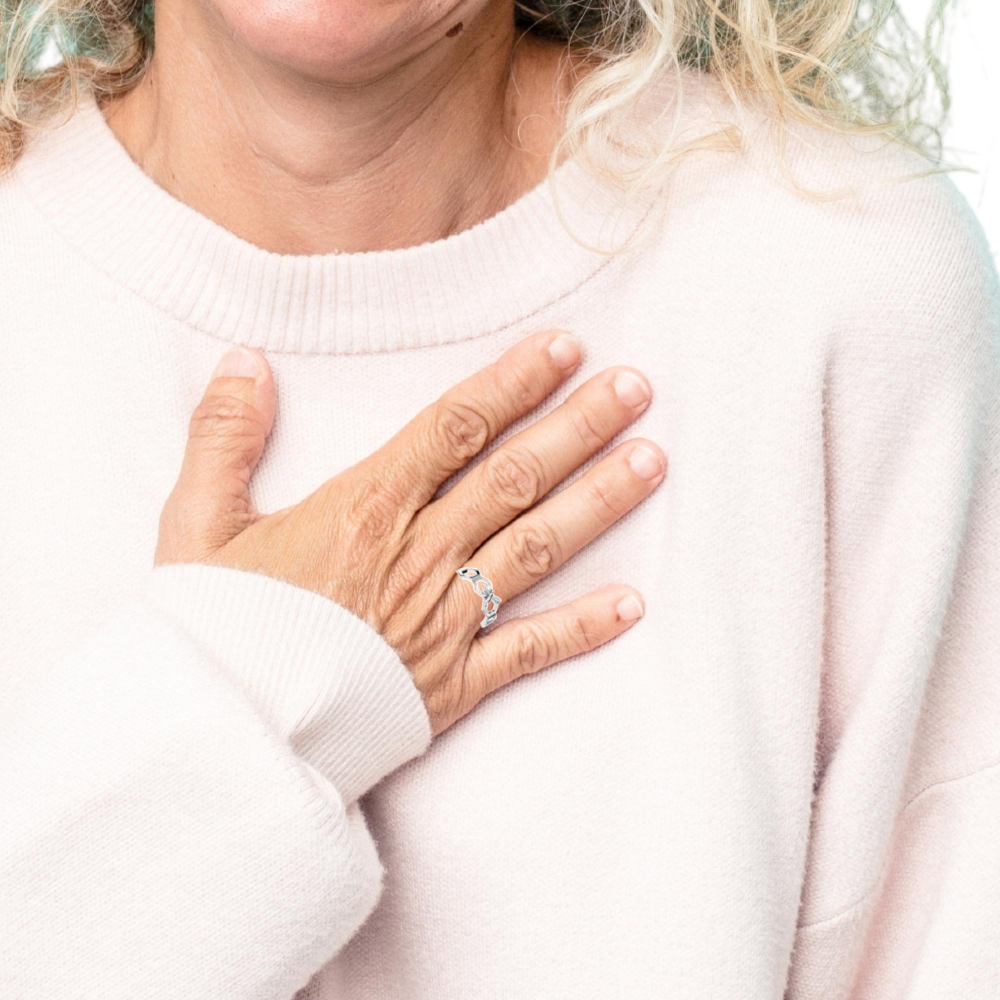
(973, 135)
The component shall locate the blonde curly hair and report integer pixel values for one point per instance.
(846, 66)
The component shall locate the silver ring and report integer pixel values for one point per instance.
(485, 592)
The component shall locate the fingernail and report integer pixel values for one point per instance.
(646, 464)
(237, 361)
(565, 351)
(631, 389)
(630, 608)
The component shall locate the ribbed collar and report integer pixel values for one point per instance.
(477, 281)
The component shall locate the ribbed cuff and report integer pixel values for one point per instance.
(321, 676)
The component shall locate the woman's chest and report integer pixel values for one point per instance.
(601, 786)
(727, 551)
(96, 433)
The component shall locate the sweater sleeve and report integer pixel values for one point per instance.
(179, 815)
(901, 897)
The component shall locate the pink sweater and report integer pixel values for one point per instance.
(783, 782)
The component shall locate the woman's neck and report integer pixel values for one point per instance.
(392, 153)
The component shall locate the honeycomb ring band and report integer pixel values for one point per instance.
(484, 588)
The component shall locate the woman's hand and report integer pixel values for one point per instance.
(372, 539)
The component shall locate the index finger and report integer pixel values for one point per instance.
(448, 433)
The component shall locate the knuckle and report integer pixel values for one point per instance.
(522, 388)
(391, 483)
(606, 501)
(370, 512)
(454, 696)
(461, 431)
(513, 475)
(533, 649)
(225, 418)
(534, 549)
(588, 428)
(582, 632)
(406, 573)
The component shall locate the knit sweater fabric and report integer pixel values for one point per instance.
(784, 781)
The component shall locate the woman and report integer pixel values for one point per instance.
(296, 757)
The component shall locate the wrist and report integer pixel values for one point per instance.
(323, 678)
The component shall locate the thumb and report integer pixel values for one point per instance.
(211, 503)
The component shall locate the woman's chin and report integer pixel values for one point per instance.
(343, 41)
